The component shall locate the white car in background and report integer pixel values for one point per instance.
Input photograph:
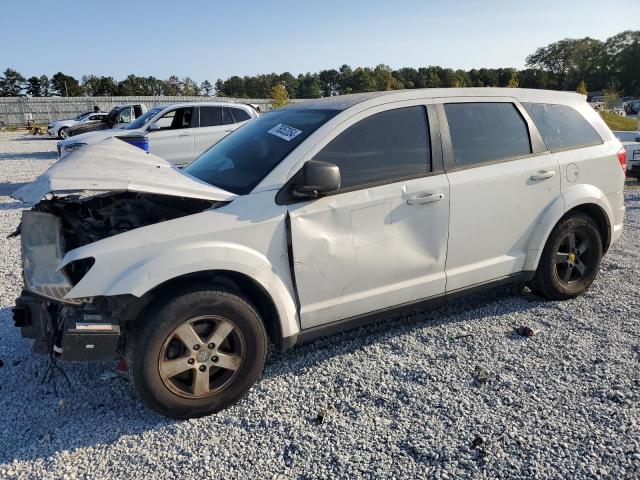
(177, 132)
(59, 128)
(631, 143)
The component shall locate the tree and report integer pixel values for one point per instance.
(362, 80)
(233, 87)
(45, 86)
(94, 86)
(219, 87)
(34, 87)
(206, 88)
(190, 87)
(513, 81)
(172, 86)
(383, 77)
(582, 88)
(11, 83)
(329, 82)
(289, 82)
(65, 85)
(308, 86)
(623, 59)
(279, 96)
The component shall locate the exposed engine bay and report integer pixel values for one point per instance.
(87, 220)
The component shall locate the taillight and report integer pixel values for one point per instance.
(622, 158)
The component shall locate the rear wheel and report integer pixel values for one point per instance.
(63, 133)
(570, 259)
(197, 353)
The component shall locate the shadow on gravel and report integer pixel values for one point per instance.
(28, 156)
(100, 408)
(31, 138)
(463, 311)
(9, 188)
(13, 205)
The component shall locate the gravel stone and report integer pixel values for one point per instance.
(398, 399)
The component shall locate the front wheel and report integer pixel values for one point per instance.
(197, 352)
(570, 259)
(63, 133)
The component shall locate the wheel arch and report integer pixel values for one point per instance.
(236, 281)
(586, 199)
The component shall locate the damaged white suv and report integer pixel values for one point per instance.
(308, 220)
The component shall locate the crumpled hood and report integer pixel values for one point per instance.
(113, 165)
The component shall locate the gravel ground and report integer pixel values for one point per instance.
(402, 399)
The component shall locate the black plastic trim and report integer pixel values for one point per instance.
(371, 317)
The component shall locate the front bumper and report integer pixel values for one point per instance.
(76, 334)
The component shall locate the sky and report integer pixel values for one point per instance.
(210, 40)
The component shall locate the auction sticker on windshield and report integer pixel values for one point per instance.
(285, 131)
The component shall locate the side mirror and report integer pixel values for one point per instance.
(318, 178)
(154, 127)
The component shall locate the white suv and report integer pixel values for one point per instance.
(308, 220)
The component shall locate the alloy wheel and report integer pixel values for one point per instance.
(574, 259)
(201, 356)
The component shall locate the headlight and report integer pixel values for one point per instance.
(42, 250)
(72, 147)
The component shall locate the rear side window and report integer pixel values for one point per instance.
(385, 146)
(561, 126)
(486, 132)
(213, 116)
(240, 115)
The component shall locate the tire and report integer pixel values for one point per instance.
(570, 259)
(62, 133)
(228, 365)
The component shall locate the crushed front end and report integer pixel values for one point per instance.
(81, 329)
(75, 329)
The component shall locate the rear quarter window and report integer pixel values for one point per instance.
(240, 115)
(562, 127)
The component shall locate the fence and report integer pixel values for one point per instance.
(39, 110)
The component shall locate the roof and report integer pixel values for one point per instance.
(342, 102)
(203, 103)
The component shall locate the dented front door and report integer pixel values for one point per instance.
(365, 250)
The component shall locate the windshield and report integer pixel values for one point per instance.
(82, 115)
(144, 119)
(238, 162)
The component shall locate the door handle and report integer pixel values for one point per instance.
(229, 131)
(420, 198)
(542, 174)
(186, 134)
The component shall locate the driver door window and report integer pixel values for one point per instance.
(175, 119)
(125, 115)
(381, 148)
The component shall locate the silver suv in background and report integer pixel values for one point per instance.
(178, 132)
